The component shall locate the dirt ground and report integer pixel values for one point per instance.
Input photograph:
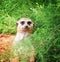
(5, 42)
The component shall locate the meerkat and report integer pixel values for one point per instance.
(24, 29)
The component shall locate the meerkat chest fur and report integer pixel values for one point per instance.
(20, 36)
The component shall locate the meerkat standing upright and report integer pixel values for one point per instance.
(24, 29)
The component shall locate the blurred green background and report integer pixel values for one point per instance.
(46, 17)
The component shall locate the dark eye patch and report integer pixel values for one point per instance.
(22, 22)
(29, 22)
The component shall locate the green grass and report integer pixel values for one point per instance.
(46, 34)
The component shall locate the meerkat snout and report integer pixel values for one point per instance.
(26, 27)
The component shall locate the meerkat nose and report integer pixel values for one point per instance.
(26, 27)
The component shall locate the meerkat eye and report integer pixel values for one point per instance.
(29, 22)
(22, 22)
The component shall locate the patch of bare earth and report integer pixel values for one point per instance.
(5, 42)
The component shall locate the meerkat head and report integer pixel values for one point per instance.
(25, 25)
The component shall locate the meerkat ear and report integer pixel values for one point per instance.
(33, 25)
(16, 23)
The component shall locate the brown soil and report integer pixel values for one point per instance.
(5, 42)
